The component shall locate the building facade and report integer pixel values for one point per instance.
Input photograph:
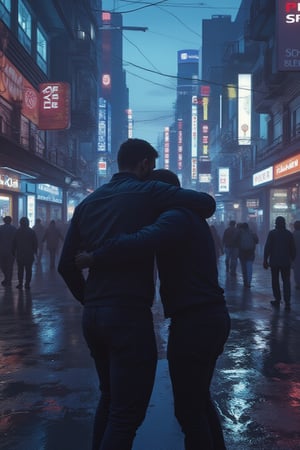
(50, 67)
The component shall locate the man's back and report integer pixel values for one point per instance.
(280, 247)
(230, 237)
(122, 206)
(188, 269)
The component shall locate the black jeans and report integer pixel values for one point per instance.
(196, 340)
(285, 273)
(123, 346)
(27, 268)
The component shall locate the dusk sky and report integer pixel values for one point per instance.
(150, 58)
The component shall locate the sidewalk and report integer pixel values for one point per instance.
(48, 387)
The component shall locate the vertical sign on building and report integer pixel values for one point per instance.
(223, 179)
(167, 148)
(179, 145)
(194, 137)
(288, 29)
(106, 54)
(244, 108)
(130, 123)
(101, 147)
(54, 111)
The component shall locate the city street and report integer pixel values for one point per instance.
(48, 386)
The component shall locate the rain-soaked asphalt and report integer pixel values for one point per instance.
(48, 387)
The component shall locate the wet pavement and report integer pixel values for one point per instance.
(48, 386)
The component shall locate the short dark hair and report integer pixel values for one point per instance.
(297, 225)
(7, 219)
(280, 221)
(166, 176)
(24, 222)
(232, 223)
(133, 151)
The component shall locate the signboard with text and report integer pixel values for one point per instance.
(54, 106)
(287, 167)
(288, 29)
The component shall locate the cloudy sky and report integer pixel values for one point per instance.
(150, 58)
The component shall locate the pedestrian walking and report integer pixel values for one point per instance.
(39, 230)
(247, 241)
(230, 245)
(24, 248)
(279, 252)
(296, 262)
(52, 237)
(117, 318)
(7, 233)
(194, 301)
(217, 242)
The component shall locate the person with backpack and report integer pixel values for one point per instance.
(247, 241)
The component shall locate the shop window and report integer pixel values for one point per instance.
(24, 26)
(5, 205)
(5, 9)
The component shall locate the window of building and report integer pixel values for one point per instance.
(24, 28)
(41, 49)
(277, 127)
(5, 9)
(295, 125)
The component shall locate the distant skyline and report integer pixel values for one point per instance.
(150, 58)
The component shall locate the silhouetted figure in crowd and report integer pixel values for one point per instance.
(39, 230)
(194, 301)
(217, 242)
(117, 317)
(247, 241)
(230, 245)
(296, 262)
(24, 248)
(279, 252)
(7, 234)
(52, 237)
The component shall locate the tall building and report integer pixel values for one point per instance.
(48, 106)
(114, 98)
(184, 154)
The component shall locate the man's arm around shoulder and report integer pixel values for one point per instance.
(169, 196)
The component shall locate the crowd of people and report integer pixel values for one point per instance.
(281, 253)
(24, 245)
(140, 227)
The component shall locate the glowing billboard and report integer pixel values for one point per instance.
(54, 111)
(288, 29)
(244, 108)
(223, 179)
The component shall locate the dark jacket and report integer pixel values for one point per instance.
(52, 237)
(280, 249)
(125, 204)
(247, 255)
(185, 255)
(7, 234)
(25, 245)
(230, 237)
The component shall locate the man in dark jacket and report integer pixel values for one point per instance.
(247, 241)
(117, 318)
(24, 248)
(230, 245)
(7, 233)
(194, 301)
(279, 252)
